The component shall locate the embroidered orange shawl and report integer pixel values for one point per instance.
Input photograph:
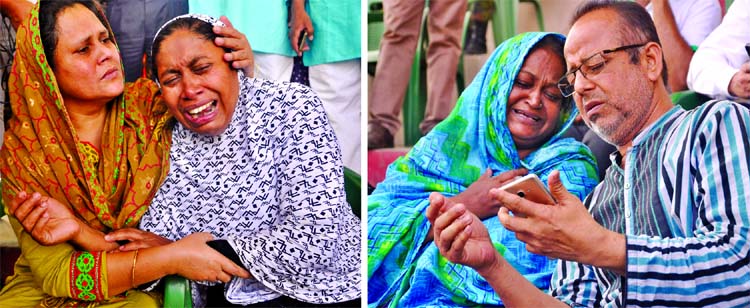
(42, 152)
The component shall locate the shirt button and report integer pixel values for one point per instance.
(627, 185)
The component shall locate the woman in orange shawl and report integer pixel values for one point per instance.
(80, 136)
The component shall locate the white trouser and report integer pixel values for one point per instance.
(338, 86)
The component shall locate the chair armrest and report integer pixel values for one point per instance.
(177, 292)
(353, 188)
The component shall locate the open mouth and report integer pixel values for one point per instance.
(526, 115)
(202, 114)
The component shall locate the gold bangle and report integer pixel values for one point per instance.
(132, 269)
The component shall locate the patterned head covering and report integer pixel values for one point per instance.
(110, 188)
(474, 137)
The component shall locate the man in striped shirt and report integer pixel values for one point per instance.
(668, 225)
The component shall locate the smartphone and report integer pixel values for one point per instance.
(301, 39)
(225, 249)
(747, 49)
(530, 187)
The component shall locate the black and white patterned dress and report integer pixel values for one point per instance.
(271, 184)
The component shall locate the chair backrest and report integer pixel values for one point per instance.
(688, 99)
(353, 188)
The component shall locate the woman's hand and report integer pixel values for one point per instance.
(461, 237)
(47, 220)
(241, 55)
(477, 197)
(198, 261)
(299, 21)
(137, 239)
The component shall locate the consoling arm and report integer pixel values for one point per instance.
(56, 265)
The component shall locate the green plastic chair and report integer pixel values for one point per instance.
(415, 99)
(688, 99)
(177, 292)
(353, 188)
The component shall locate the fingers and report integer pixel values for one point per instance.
(204, 237)
(556, 187)
(133, 245)
(452, 233)
(33, 217)
(235, 270)
(513, 223)
(437, 201)
(17, 201)
(449, 235)
(226, 21)
(126, 234)
(510, 175)
(456, 252)
(223, 277)
(310, 29)
(449, 217)
(232, 43)
(37, 229)
(487, 173)
(240, 55)
(228, 32)
(24, 207)
(512, 201)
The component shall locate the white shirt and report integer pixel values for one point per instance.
(722, 53)
(695, 19)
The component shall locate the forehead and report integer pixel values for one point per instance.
(77, 22)
(182, 46)
(543, 61)
(593, 32)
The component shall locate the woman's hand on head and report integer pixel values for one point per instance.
(241, 55)
(47, 220)
(136, 239)
(477, 198)
(198, 261)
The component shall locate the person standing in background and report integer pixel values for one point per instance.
(721, 66)
(402, 21)
(134, 23)
(682, 25)
(331, 50)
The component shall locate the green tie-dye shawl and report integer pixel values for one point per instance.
(474, 137)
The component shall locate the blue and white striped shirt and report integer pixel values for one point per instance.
(682, 203)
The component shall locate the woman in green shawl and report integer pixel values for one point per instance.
(510, 118)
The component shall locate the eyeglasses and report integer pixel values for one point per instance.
(590, 67)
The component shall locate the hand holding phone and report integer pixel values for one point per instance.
(530, 187)
(301, 40)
